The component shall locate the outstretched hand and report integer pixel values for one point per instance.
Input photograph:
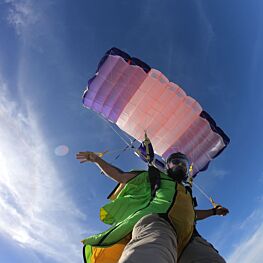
(221, 211)
(87, 157)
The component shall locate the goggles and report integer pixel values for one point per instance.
(180, 162)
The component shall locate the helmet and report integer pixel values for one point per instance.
(177, 155)
(180, 170)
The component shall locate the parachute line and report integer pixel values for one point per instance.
(201, 191)
(129, 145)
(115, 131)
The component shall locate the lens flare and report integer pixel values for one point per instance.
(61, 150)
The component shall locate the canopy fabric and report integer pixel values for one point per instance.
(137, 98)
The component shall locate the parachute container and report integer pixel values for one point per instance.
(137, 98)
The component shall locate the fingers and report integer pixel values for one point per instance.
(86, 157)
(223, 211)
(83, 161)
(82, 156)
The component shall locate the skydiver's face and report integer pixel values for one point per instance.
(177, 169)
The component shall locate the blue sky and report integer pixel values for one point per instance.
(49, 50)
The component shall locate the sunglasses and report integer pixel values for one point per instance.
(179, 161)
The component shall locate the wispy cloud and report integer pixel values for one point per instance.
(36, 212)
(22, 14)
(250, 248)
(208, 179)
(33, 25)
(218, 173)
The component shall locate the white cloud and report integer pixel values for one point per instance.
(35, 210)
(207, 180)
(218, 173)
(250, 248)
(22, 14)
(31, 23)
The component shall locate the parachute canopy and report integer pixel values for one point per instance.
(137, 98)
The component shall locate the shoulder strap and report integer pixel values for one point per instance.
(189, 190)
(154, 178)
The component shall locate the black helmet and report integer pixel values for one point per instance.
(177, 155)
(178, 172)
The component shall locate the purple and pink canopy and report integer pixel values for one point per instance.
(126, 91)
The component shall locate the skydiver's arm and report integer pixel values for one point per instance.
(109, 170)
(114, 172)
(203, 214)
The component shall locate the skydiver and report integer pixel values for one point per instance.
(162, 235)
